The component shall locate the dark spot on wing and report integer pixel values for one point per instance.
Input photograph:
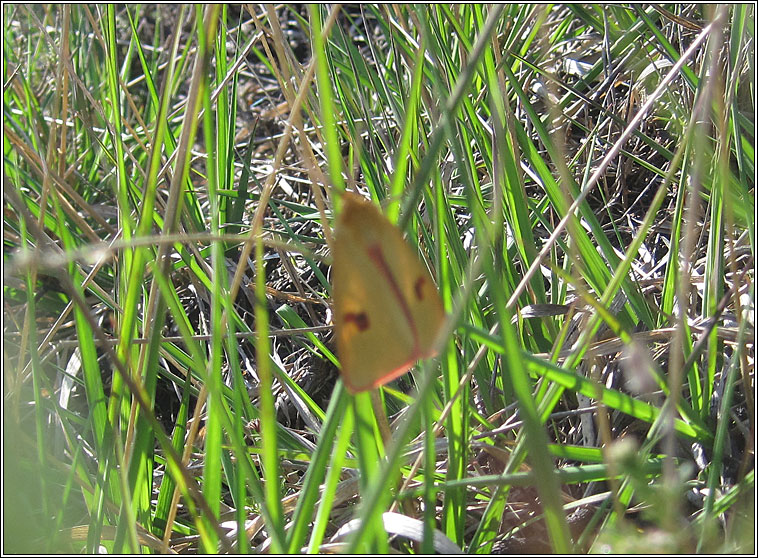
(360, 320)
(418, 288)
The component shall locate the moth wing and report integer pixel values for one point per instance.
(387, 309)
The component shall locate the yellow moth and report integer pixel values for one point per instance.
(387, 311)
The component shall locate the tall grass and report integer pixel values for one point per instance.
(579, 180)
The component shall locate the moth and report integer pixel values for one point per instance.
(387, 310)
